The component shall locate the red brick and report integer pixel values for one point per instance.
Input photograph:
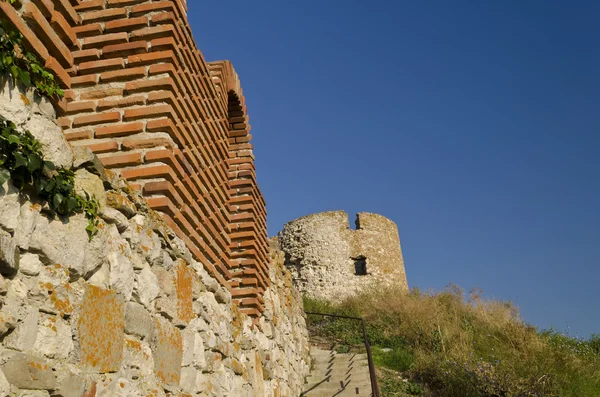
(105, 40)
(102, 93)
(87, 80)
(131, 144)
(147, 112)
(105, 64)
(135, 47)
(126, 25)
(99, 118)
(47, 34)
(125, 74)
(122, 160)
(90, 5)
(93, 29)
(103, 147)
(104, 15)
(119, 130)
(81, 107)
(75, 136)
(124, 102)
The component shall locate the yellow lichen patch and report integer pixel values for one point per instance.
(168, 352)
(25, 100)
(101, 329)
(183, 287)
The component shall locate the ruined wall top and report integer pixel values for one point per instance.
(330, 260)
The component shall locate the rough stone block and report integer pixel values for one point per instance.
(9, 254)
(183, 287)
(25, 334)
(30, 264)
(86, 182)
(138, 321)
(168, 352)
(9, 206)
(7, 323)
(61, 242)
(146, 287)
(27, 372)
(101, 329)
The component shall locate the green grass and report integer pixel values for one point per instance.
(448, 344)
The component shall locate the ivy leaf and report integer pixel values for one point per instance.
(20, 160)
(50, 165)
(57, 200)
(35, 162)
(25, 78)
(49, 185)
(14, 70)
(12, 139)
(71, 204)
(4, 175)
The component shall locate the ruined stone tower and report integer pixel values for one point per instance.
(329, 260)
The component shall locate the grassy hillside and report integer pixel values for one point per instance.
(450, 345)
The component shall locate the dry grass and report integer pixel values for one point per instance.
(471, 346)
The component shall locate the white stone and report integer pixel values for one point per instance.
(13, 104)
(54, 144)
(4, 386)
(7, 323)
(145, 287)
(9, 206)
(138, 321)
(54, 339)
(120, 387)
(101, 278)
(30, 264)
(62, 242)
(25, 335)
(28, 218)
(121, 273)
(199, 360)
(33, 393)
(9, 254)
(115, 217)
(188, 336)
(188, 379)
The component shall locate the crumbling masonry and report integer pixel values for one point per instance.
(329, 260)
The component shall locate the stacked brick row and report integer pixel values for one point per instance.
(141, 96)
(247, 207)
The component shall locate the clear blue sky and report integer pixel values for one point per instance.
(475, 126)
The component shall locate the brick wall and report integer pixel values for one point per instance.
(141, 96)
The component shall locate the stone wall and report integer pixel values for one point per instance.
(140, 95)
(130, 312)
(331, 261)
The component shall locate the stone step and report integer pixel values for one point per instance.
(350, 389)
(335, 379)
(322, 367)
(338, 375)
(338, 359)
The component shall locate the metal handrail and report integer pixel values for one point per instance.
(374, 387)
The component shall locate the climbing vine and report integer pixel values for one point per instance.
(24, 66)
(22, 160)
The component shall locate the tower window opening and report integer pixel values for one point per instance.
(360, 265)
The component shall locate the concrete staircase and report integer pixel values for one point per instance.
(337, 375)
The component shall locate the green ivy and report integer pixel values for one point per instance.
(22, 160)
(24, 66)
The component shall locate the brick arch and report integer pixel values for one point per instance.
(249, 259)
